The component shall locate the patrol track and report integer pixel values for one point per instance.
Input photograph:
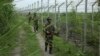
(41, 43)
(18, 49)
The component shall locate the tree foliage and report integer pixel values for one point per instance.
(6, 12)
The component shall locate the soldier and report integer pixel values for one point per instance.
(35, 22)
(49, 32)
(29, 17)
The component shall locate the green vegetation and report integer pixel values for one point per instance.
(8, 23)
(62, 48)
(30, 43)
(8, 40)
(6, 18)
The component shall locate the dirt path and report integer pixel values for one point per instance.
(41, 43)
(17, 49)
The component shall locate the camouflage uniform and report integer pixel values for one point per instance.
(35, 22)
(29, 17)
(49, 32)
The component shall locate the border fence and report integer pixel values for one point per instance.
(81, 28)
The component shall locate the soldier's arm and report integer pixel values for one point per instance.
(32, 17)
(53, 29)
(44, 29)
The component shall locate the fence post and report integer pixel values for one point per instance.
(99, 39)
(76, 16)
(67, 5)
(85, 28)
(44, 10)
(55, 13)
(53, 9)
(48, 7)
(27, 8)
(98, 6)
(42, 13)
(37, 6)
(78, 4)
(34, 6)
(30, 7)
(59, 18)
(99, 24)
(93, 17)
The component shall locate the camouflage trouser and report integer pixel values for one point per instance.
(35, 26)
(29, 20)
(48, 43)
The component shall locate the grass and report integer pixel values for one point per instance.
(8, 40)
(30, 44)
(62, 48)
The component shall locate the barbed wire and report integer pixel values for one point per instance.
(18, 1)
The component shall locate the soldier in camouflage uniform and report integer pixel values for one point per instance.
(35, 22)
(29, 17)
(49, 32)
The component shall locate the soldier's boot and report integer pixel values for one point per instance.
(36, 28)
(46, 44)
(50, 49)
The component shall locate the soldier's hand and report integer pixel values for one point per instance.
(48, 32)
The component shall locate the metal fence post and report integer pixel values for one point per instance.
(48, 7)
(98, 6)
(34, 6)
(99, 39)
(66, 21)
(67, 5)
(53, 9)
(85, 28)
(99, 24)
(59, 18)
(93, 17)
(30, 7)
(55, 13)
(42, 13)
(37, 6)
(78, 4)
(76, 15)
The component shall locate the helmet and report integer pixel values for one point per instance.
(48, 18)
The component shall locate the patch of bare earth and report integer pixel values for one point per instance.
(17, 50)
